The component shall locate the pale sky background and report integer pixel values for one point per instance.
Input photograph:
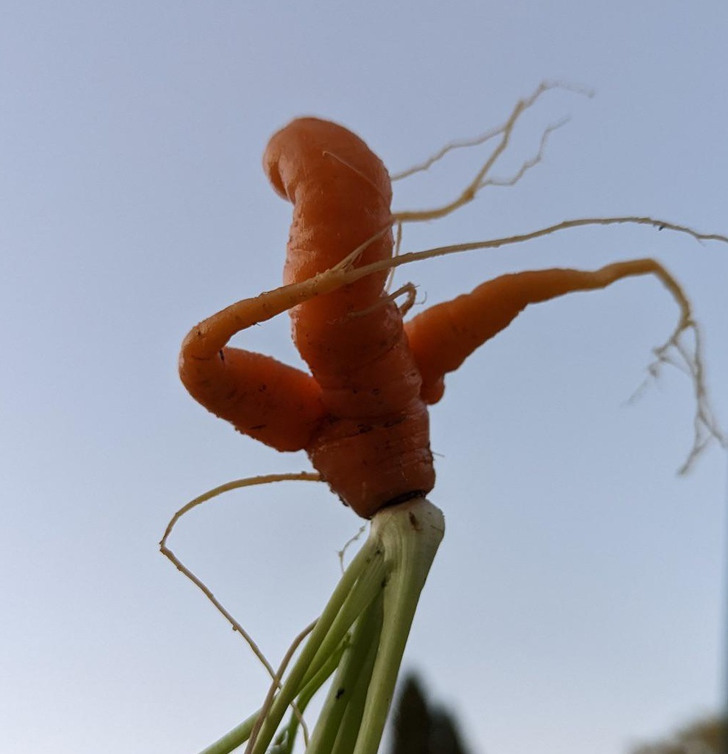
(576, 605)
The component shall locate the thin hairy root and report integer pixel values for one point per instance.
(277, 685)
(481, 179)
(253, 481)
(346, 163)
(344, 272)
(492, 133)
(179, 565)
(349, 542)
(527, 164)
(408, 289)
(688, 360)
(352, 275)
(348, 262)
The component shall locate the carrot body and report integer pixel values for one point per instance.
(373, 445)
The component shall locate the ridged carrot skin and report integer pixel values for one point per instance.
(372, 446)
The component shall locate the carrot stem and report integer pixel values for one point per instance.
(312, 667)
(341, 713)
(377, 596)
(351, 724)
(287, 737)
(410, 534)
(355, 591)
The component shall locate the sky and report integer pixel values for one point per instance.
(577, 601)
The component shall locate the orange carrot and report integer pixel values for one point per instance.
(361, 414)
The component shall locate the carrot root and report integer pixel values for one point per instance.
(504, 130)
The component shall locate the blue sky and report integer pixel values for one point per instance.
(577, 601)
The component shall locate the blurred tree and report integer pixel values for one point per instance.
(708, 736)
(419, 728)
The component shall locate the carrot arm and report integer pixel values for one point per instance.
(263, 398)
(260, 396)
(442, 337)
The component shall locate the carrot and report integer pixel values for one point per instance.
(361, 413)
